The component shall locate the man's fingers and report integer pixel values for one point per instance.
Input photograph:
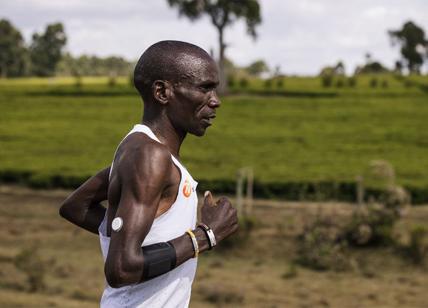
(208, 199)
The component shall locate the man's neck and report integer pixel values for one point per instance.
(167, 134)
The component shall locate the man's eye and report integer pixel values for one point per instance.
(207, 87)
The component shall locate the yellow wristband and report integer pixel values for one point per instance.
(194, 243)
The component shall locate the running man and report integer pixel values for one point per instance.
(149, 235)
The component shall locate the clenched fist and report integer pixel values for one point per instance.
(220, 216)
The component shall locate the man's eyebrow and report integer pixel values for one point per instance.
(208, 83)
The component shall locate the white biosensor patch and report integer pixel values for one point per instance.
(117, 224)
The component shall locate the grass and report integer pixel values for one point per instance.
(55, 129)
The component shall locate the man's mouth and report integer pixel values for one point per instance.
(209, 119)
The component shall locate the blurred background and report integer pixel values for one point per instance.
(321, 142)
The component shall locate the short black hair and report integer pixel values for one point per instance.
(164, 60)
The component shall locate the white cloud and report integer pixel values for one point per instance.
(300, 36)
(375, 12)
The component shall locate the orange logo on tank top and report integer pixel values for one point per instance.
(187, 189)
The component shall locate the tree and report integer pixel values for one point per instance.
(46, 50)
(222, 14)
(339, 69)
(368, 57)
(372, 67)
(336, 70)
(257, 68)
(398, 67)
(277, 71)
(413, 43)
(85, 65)
(12, 51)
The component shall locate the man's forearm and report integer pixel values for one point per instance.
(83, 207)
(184, 248)
(88, 217)
(155, 260)
(128, 263)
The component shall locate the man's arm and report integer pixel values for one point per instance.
(83, 207)
(137, 208)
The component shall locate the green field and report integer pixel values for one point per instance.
(51, 128)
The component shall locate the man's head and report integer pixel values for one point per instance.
(179, 79)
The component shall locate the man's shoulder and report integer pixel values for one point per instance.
(142, 145)
(141, 155)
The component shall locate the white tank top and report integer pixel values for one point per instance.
(171, 289)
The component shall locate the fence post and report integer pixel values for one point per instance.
(239, 191)
(250, 184)
(360, 189)
(244, 174)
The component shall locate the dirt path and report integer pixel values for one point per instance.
(259, 273)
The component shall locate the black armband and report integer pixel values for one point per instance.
(159, 258)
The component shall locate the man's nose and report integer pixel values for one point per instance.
(214, 101)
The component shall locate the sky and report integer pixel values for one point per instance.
(300, 36)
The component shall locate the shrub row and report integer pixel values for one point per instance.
(293, 191)
(81, 92)
(127, 91)
(286, 93)
(39, 180)
(407, 82)
(124, 91)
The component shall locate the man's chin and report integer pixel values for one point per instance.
(199, 132)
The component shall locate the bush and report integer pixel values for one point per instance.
(78, 82)
(408, 83)
(397, 199)
(385, 84)
(231, 81)
(280, 83)
(381, 175)
(352, 82)
(268, 83)
(324, 243)
(112, 82)
(327, 80)
(371, 225)
(340, 83)
(321, 246)
(373, 82)
(417, 249)
(243, 83)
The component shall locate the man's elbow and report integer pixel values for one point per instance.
(115, 281)
(117, 278)
(70, 212)
(64, 210)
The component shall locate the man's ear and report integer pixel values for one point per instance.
(161, 91)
